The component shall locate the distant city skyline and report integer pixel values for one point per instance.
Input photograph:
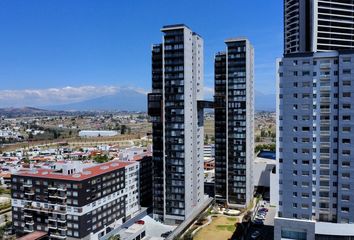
(74, 45)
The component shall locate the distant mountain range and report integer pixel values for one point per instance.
(131, 100)
(27, 112)
(123, 100)
(265, 102)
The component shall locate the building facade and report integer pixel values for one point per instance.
(145, 181)
(318, 25)
(234, 123)
(315, 152)
(177, 86)
(82, 205)
(314, 118)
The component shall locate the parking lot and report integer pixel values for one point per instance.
(266, 229)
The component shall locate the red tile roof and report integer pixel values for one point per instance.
(140, 156)
(34, 236)
(85, 174)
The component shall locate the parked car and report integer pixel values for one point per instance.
(260, 218)
(255, 235)
(166, 234)
(261, 215)
(258, 222)
(142, 222)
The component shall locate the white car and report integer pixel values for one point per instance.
(260, 217)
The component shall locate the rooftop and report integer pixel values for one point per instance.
(174, 26)
(87, 173)
(236, 39)
(33, 236)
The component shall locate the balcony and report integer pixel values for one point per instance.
(325, 100)
(62, 228)
(52, 226)
(57, 219)
(28, 230)
(30, 222)
(30, 193)
(57, 234)
(59, 196)
(325, 65)
(324, 166)
(325, 111)
(27, 215)
(60, 189)
(58, 210)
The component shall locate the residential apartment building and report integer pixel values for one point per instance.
(81, 205)
(314, 118)
(234, 123)
(145, 181)
(177, 86)
(318, 25)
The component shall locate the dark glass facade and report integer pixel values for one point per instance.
(233, 113)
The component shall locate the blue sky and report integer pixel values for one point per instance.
(59, 43)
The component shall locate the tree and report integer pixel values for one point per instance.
(206, 140)
(101, 159)
(30, 136)
(116, 237)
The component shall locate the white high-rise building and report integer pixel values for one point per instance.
(315, 151)
(318, 25)
(315, 167)
(178, 132)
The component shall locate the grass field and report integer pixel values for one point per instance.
(220, 228)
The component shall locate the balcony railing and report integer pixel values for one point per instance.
(57, 235)
(60, 210)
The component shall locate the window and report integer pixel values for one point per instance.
(346, 94)
(346, 175)
(345, 197)
(346, 129)
(346, 118)
(346, 83)
(306, 84)
(346, 71)
(346, 60)
(305, 129)
(305, 95)
(345, 209)
(346, 106)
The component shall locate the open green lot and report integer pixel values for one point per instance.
(220, 228)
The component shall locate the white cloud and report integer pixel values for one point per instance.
(208, 93)
(53, 96)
